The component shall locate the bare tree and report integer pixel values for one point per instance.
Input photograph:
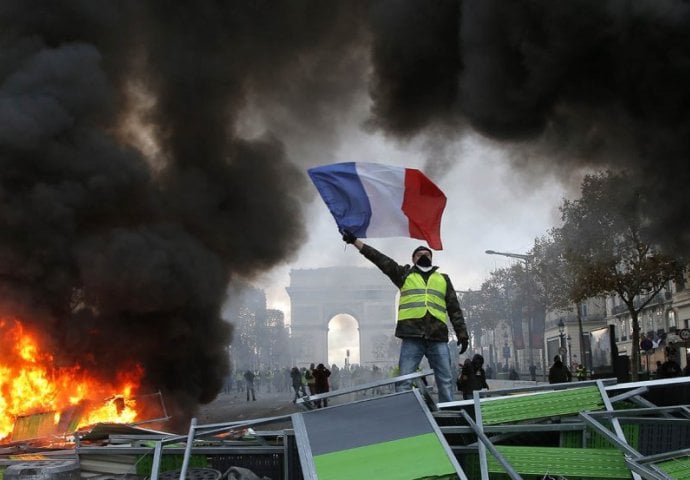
(261, 338)
(499, 300)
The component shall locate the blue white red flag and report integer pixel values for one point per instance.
(373, 200)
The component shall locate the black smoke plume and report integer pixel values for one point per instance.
(134, 187)
(583, 83)
(118, 257)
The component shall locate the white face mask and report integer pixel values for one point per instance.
(424, 269)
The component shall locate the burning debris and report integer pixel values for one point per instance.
(60, 427)
(38, 398)
(587, 429)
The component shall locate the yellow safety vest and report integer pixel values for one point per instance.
(417, 297)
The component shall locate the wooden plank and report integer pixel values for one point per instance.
(37, 425)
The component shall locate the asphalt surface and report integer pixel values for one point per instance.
(234, 407)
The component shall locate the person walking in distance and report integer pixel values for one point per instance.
(462, 382)
(249, 381)
(559, 373)
(472, 377)
(427, 302)
(309, 376)
(297, 384)
(321, 374)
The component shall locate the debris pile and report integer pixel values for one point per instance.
(588, 430)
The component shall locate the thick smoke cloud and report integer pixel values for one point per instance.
(118, 258)
(574, 84)
(120, 253)
(416, 53)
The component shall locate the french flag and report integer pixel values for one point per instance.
(373, 200)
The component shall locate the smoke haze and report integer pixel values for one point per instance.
(151, 152)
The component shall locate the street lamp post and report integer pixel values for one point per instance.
(525, 258)
(570, 351)
(506, 352)
(492, 349)
(520, 256)
(561, 340)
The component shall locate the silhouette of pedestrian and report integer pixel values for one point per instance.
(249, 380)
(297, 384)
(559, 373)
(321, 374)
(472, 377)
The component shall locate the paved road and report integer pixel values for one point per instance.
(234, 407)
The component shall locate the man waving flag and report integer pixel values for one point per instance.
(372, 200)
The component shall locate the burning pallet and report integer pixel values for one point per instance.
(47, 427)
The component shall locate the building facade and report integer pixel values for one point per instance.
(664, 320)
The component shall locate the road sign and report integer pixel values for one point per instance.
(562, 350)
(684, 334)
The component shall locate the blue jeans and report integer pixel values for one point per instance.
(438, 354)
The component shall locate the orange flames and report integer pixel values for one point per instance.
(30, 383)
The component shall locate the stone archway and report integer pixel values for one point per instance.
(317, 295)
(343, 340)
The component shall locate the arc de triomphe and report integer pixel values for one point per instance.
(317, 295)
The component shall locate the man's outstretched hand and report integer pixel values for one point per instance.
(349, 237)
(463, 341)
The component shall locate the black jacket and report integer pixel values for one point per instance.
(471, 378)
(559, 373)
(427, 327)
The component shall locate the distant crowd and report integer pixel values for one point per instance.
(301, 381)
(310, 380)
(470, 376)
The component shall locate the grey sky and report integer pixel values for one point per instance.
(490, 206)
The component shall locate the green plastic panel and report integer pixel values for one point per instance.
(541, 405)
(567, 462)
(416, 457)
(677, 468)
